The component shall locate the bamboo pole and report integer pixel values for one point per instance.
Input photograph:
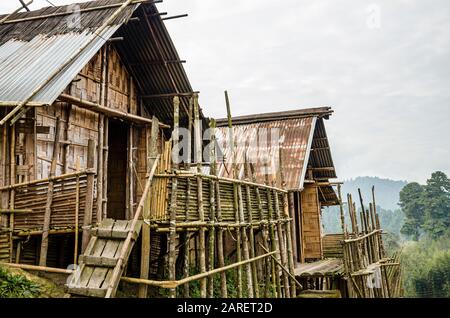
(146, 247)
(198, 156)
(77, 209)
(245, 243)
(173, 284)
(288, 245)
(235, 195)
(12, 171)
(89, 201)
(212, 215)
(264, 231)
(121, 262)
(173, 199)
(273, 239)
(73, 57)
(48, 205)
(186, 240)
(251, 232)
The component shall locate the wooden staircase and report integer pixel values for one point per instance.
(94, 275)
(102, 264)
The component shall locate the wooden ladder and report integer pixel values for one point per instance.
(92, 277)
(102, 264)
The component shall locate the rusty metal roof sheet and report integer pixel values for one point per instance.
(300, 135)
(261, 143)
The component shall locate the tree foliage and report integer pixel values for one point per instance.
(426, 207)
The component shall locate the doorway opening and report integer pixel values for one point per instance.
(117, 170)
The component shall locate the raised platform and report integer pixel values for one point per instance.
(323, 268)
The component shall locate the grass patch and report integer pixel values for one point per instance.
(17, 286)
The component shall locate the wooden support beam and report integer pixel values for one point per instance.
(175, 17)
(69, 12)
(107, 111)
(170, 95)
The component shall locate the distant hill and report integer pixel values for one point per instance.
(386, 195)
(386, 190)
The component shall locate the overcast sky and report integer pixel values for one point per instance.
(384, 67)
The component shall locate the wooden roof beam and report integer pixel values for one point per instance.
(169, 95)
(107, 111)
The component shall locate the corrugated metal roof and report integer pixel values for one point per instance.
(26, 65)
(262, 141)
(32, 51)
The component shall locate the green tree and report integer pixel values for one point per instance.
(436, 202)
(412, 206)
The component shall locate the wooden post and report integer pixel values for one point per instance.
(220, 243)
(235, 195)
(198, 156)
(281, 245)
(48, 205)
(264, 231)
(287, 224)
(12, 171)
(245, 247)
(251, 233)
(130, 174)
(89, 201)
(186, 240)
(146, 247)
(273, 238)
(77, 210)
(173, 200)
(212, 203)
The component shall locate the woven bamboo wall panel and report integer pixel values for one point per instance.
(311, 228)
(34, 197)
(4, 247)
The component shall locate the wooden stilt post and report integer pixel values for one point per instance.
(173, 200)
(89, 201)
(152, 154)
(198, 149)
(48, 205)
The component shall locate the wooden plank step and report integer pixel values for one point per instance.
(87, 291)
(98, 261)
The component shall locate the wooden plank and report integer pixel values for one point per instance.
(97, 277)
(88, 292)
(104, 229)
(98, 261)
